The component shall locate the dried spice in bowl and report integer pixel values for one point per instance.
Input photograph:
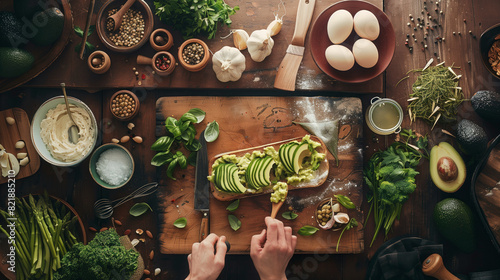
(162, 62)
(123, 105)
(131, 30)
(193, 53)
(494, 57)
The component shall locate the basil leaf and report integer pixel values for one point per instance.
(162, 158)
(345, 201)
(162, 144)
(307, 230)
(189, 117)
(139, 208)
(172, 126)
(180, 223)
(289, 215)
(233, 206)
(181, 160)
(234, 222)
(212, 131)
(78, 31)
(170, 169)
(198, 113)
(191, 159)
(193, 146)
(188, 132)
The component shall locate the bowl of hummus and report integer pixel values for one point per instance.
(49, 131)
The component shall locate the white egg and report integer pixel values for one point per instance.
(339, 57)
(365, 53)
(339, 26)
(366, 25)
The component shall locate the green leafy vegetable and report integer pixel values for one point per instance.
(194, 17)
(233, 206)
(234, 222)
(308, 230)
(198, 113)
(390, 177)
(139, 208)
(289, 215)
(352, 223)
(192, 159)
(345, 201)
(180, 223)
(162, 158)
(103, 258)
(162, 144)
(89, 48)
(212, 132)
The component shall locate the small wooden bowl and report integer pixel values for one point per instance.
(151, 61)
(102, 69)
(139, 5)
(137, 105)
(486, 40)
(163, 33)
(194, 67)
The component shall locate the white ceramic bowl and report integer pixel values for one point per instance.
(38, 143)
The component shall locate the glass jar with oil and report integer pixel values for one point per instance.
(384, 116)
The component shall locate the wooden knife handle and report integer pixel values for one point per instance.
(304, 15)
(433, 266)
(204, 227)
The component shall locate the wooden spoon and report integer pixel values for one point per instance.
(73, 129)
(118, 16)
(276, 207)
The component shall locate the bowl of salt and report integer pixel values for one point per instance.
(111, 166)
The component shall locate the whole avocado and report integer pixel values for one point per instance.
(486, 103)
(10, 30)
(50, 25)
(471, 137)
(455, 221)
(14, 62)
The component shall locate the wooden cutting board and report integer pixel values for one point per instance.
(252, 121)
(10, 134)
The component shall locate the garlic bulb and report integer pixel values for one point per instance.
(275, 26)
(240, 38)
(228, 64)
(260, 44)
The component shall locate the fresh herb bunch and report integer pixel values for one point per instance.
(194, 17)
(45, 231)
(390, 177)
(352, 223)
(435, 94)
(103, 258)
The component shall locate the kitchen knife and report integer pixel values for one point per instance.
(201, 187)
(287, 71)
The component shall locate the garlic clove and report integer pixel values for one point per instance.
(114, 140)
(336, 208)
(240, 38)
(157, 271)
(4, 164)
(341, 218)
(14, 164)
(125, 139)
(1, 147)
(21, 155)
(130, 126)
(20, 144)
(275, 27)
(10, 120)
(137, 139)
(24, 161)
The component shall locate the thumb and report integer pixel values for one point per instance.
(221, 249)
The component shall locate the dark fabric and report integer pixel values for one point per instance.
(486, 275)
(401, 258)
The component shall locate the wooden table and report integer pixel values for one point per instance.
(76, 185)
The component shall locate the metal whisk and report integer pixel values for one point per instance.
(103, 208)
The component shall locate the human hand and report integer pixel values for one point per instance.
(204, 263)
(272, 249)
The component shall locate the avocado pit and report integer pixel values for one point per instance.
(447, 169)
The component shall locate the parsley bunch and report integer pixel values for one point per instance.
(194, 17)
(390, 177)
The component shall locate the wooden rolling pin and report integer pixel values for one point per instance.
(433, 266)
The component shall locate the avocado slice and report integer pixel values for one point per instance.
(302, 151)
(267, 166)
(50, 24)
(455, 221)
(447, 168)
(227, 179)
(237, 185)
(284, 153)
(258, 173)
(471, 137)
(486, 103)
(249, 173)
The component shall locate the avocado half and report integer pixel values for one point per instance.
(447, 168)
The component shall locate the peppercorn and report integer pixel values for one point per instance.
(131, 30)
(123, 105)
(193, 53)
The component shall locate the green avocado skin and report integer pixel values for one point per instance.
(455, 221)
(486, 103)
(51, 31)
(14, 62)
(10, 29)
(471, 137)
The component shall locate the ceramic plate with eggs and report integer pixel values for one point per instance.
(352, 41)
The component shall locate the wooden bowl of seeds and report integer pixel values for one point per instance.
(194, 55)
(124, 105)
(134, 31)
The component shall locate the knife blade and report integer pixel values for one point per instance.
(201, 187)
(287, 71)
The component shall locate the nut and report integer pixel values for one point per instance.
(139, 231)
(127, 232)
(125, 139)
(21, 155)
(20, 144)
(103, 229)
(114, 140)
(147, 272)
(137, 139)
(130, 126)
(118, 222)
(152, 255)
(10, 120)
(92, 229)
(149, 234)
(142, 240)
